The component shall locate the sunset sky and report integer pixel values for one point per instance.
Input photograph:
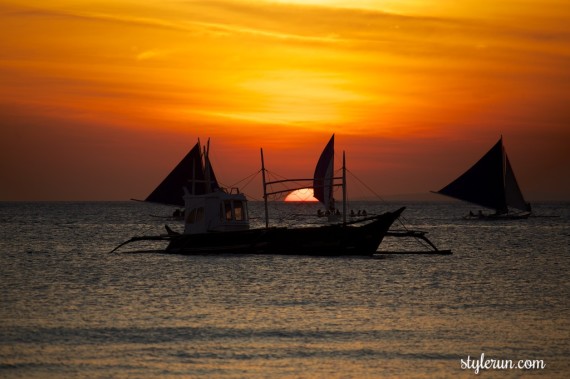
(100, 99)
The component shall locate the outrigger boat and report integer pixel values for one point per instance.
(216, 219)
(491, 183)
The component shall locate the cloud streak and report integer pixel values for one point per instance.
(233, 69)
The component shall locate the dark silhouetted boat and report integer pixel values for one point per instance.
(216, 219)
(491, 183)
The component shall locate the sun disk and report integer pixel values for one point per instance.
(305, 194)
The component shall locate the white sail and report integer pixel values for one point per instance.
(324, 176)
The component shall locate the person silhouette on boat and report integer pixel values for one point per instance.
(352, 214)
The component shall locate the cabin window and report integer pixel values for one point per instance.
(199, 214)
(239, 211)
(191, 217)
(228, 208)
(233, 210)
(195, 215)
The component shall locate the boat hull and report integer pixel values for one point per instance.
(329, 240)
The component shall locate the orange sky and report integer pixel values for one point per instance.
(100, 99)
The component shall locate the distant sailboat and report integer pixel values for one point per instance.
(491, 183)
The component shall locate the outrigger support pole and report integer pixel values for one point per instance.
(343, 188)
(143, 238)
(418, 235)
(264, 190)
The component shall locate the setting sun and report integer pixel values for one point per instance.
(304, 195)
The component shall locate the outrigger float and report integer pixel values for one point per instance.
(216, 219)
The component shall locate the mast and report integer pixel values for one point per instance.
(504, 169)
(264, 190)
(208, 183)
(343, 188)
(193, 180)
(197, 160)
(513, 194)
(194, 168)
(329, 181)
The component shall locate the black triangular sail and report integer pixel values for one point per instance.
(189, 174)
(489, 183)
(483, 183)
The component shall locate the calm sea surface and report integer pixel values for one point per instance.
(71, 309)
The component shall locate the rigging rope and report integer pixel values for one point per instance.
(386, 203)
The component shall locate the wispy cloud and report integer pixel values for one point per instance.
(91, 16)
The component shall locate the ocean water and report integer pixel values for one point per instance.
(69, 309)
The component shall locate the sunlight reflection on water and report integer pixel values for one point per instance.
(71, 309)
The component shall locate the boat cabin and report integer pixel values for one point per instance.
(218, 211)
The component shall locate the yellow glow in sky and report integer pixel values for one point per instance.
(401, 80)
